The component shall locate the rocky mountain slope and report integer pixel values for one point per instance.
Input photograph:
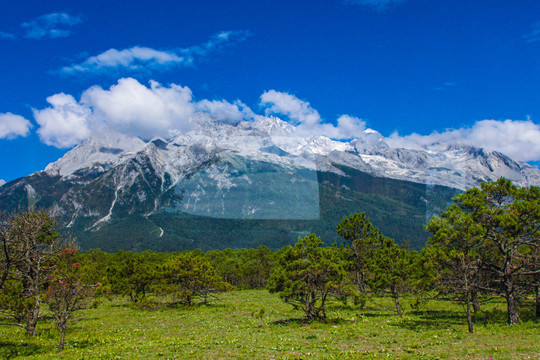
(252, 183)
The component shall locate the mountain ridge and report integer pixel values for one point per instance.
(250, 172)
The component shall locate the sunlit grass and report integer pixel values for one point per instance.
(230, 328)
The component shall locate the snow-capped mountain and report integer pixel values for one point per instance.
(260, 170)
(273, 140)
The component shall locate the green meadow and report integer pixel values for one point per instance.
(254, 324)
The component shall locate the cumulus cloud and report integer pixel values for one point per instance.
(137, 58)
(307, 120)
(299, 111)
(225, 112)
(65, 123)
(12, 126)
(152, 110)
(131, 108)
(517, 139)
(378, 5)
(54, 25)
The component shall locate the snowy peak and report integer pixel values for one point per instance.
(105, 150)
(273, 140)
(370, 142)
(273, 126)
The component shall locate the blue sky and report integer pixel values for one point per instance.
(420, 72)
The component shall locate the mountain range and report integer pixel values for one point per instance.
(246, 184)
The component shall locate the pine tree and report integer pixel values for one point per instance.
(307, 274)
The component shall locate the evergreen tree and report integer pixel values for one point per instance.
(133, 274)
(495, 228)
(190, 277)
(363, 239)
(394, 270)
(307, 274)
(455, 246)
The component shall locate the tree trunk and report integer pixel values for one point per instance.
(307, 304)
(475, 301)
(396, 301)
(513, 316)
(62, 337)
(32, 317)
(469, 317)
(537, 301)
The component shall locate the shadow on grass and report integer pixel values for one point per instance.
(493, 316)
(431, 319)
(9, 350)
(85, 343)
(183, 306)
(373, 314)
(304, 321)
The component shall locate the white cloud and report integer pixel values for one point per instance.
(299, 111)
(131, 108)
(350, 125)
(65, 123)
(137, 58)
(153, 110)
(12, 126)
(132, 59)
(224, 111)
(378, 5)
(53, 25)
(307, 120)
(517, 139)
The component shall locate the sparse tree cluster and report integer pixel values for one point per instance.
(488, 241)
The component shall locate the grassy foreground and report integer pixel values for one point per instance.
(230, 329)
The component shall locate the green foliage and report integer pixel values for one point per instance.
(307, 274)
(363, 240)
(133, 274)
(487, 240)
(31, 243)
(14, 302)
(243, 268)
(394, 270)
(190, 277)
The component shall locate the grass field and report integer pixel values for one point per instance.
(230, 329)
